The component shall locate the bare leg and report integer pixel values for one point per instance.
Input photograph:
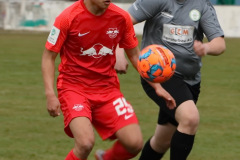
(83, 133)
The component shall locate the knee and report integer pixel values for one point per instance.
(138, 145)
(134, 145)
(84, 146)
(191, 121)
(188, 118)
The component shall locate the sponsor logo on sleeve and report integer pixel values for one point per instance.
(53, 36)
(135, 6)
(167, 15)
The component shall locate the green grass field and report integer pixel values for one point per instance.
(27, 132)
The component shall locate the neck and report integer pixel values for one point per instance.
(94, 8)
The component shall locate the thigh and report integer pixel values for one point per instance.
(178, 89)
(130, 137)
(82, 130)
(187, 109)
(188, 117)
(113, 115)
(73, 104)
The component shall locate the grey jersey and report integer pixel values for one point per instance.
(176, 25)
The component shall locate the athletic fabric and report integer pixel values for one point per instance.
(87, 83)
(176, 26)
(87, 45)
(179, 90)
(107, 112)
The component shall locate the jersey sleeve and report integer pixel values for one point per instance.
(58, 33)
(141, 10)
(209, 22)
(129, 39)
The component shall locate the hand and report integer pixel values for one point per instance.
(170, 102)
(121, 64)
(53, 106)
(161, 92)
(201, 49)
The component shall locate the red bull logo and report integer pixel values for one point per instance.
(97, 51)
(78, 107)
(112, 32)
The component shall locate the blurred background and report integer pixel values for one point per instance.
(39, 15)
(27, 131)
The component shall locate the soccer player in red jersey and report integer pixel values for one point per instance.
(86, 35)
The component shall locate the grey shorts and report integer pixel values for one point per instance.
(179, 90)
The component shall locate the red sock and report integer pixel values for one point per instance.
(117, 152)
(71, 156)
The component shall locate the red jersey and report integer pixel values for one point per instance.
(87, 44)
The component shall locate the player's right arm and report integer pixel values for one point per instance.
(160, 91)
(121, 64)
(215, 47)
(134, 21)
(133, 55)
(48, 73)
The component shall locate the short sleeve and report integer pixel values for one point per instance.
(209, 22)
(58, 33)
(142, 10)
(129, 39)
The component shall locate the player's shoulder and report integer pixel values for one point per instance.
(203, 3)
(204, 6)
(118, 10)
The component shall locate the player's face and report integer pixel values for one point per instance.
(97, 7)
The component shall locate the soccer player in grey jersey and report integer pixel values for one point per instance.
(179, 25)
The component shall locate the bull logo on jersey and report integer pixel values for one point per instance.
(97, 51)
(78, 107)
(112, 32)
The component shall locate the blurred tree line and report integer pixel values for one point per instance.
(117, 1)
(214, 2)
(227, 2)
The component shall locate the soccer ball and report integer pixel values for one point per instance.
(156, 63)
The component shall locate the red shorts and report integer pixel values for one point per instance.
(107, 111)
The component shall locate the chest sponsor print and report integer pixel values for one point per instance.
(177, 33)
(97, 50)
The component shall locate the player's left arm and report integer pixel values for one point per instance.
(133, 55)
(121, 64)
(214, 47)
(213, 32)
(48, 73)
